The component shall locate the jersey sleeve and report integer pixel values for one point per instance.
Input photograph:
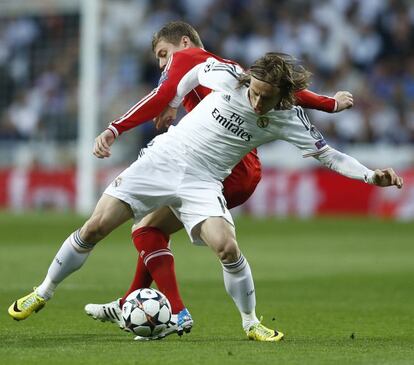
(155, 102)
(212, 74)
(345, 165)
(310, 141)
(301, 133)
(310, 100)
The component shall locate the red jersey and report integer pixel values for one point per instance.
(177, 66)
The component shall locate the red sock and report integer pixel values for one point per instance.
(159, 261)
(162, 270)
(142, 279)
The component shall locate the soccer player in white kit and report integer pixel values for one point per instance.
(184, 168)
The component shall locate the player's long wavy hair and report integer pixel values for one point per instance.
(281, 70)
(172, 32)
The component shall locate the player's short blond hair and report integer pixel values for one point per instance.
(281, 70)
(172, 32)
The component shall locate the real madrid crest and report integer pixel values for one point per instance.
(262, 122)
(117, 182)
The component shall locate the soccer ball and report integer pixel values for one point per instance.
(146, 312)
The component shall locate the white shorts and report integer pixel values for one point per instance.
(155, 181)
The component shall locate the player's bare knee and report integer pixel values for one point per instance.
(88, 232)
(94, 229)
(228, 252)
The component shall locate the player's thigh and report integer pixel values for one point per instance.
(220, 236)
(108, 214)
(163, 219)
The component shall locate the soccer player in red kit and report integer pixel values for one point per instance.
(178, 48)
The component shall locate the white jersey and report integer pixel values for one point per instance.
(184, 167)
(224, 127)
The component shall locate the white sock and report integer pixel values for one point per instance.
(70, 257)
(239, 284)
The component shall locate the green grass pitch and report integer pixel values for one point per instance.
(342, 290)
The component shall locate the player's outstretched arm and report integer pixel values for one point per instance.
(350, 167)
(308, 99)
(151, 105)
(102, 145)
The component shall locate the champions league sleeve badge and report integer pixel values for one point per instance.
(262, 122)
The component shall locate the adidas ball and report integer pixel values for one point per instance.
(146, 312)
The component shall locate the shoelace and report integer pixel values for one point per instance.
(29, 301)
(263, 331)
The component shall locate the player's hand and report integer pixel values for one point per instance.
(166, 118)
(102, 146)
(387, 177)
(344, 100)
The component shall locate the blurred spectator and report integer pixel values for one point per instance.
(364, 46)
(23, 115)
(38, 77)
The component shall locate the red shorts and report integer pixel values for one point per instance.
(241, 183)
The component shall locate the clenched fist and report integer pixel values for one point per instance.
(344, 100)
(387, 177)
(102, 146)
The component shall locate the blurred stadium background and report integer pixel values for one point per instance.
(342, 289)
(69, 67)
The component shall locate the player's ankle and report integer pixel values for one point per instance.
(46, 289)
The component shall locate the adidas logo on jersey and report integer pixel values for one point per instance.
(226, 97)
